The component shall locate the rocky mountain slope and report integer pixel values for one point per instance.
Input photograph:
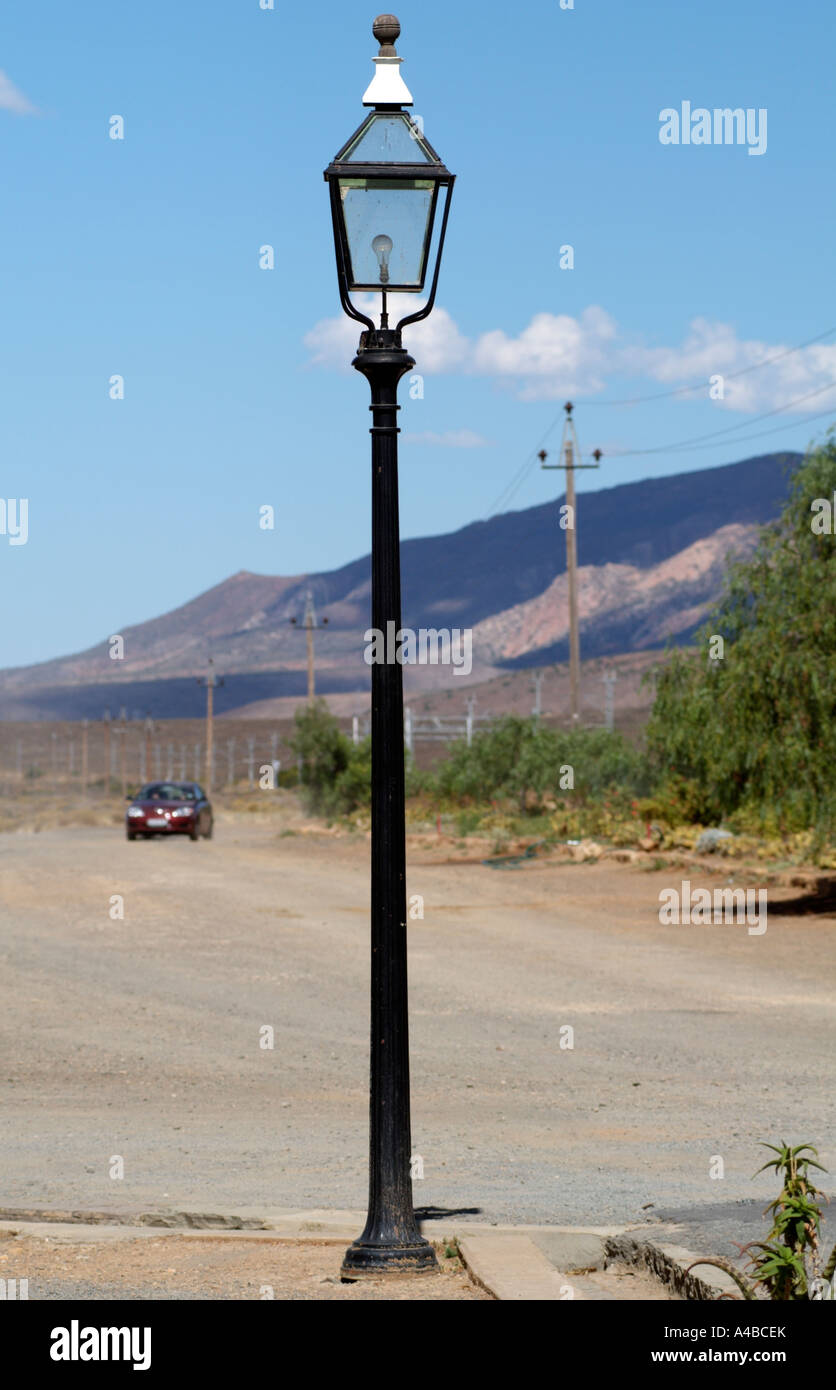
(651, 558)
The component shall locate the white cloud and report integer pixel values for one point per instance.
(553, 356)
(450, 439)
(557, 355)
(333, 342)
(713, 348)
(12, 99)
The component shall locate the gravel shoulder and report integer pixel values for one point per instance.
(177, 1268)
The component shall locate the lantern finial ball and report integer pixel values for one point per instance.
(386, 30)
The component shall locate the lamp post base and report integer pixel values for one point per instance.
(363, 1261)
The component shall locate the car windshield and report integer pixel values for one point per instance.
(167, 791)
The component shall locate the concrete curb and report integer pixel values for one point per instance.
(668, 1264)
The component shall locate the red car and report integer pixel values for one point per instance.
(169, 808)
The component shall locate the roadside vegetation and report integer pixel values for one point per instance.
(751, 738)
(742, 734)
(787, 1265)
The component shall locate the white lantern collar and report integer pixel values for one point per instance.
(387, 88)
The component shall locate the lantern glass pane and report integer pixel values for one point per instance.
(387, 224)
(390, 138)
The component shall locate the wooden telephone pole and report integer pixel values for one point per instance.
(570, 451)
(310, 625)
(537, 686)
(106, 720)
(85, 724)
(123, 749)
(149, 732)
(210, 681)
(609, 678)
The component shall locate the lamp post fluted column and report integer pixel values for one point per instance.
(391, 1239)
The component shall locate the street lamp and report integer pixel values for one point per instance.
(385, 186)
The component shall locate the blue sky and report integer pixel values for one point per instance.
(139, 257)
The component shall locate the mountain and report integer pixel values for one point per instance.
(651, 556)
(620, 607)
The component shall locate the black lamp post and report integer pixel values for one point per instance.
(385, 186)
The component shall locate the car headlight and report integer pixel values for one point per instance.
(135, 811)
(183, 811)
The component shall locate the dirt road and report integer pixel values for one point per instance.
(142, 1039)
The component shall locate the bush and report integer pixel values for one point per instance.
(525, 760)
(336, 774)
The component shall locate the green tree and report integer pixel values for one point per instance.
(754, 732)
(336, 774)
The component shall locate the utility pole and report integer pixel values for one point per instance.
(210, 681)
(123, 750)
(571, 452)
(85, 724)
(539, 677)
(609, 678)
(106, 720)
(310, 625)
(146, 761)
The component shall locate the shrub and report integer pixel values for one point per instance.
(523, 759)
(336, 774)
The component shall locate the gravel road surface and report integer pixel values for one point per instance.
(139, 1039)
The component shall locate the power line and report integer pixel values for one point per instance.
(742, 439)
(728, 376)
(685, 444)
(526, 468)
(519, 477)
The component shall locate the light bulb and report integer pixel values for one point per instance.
(382, 246)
